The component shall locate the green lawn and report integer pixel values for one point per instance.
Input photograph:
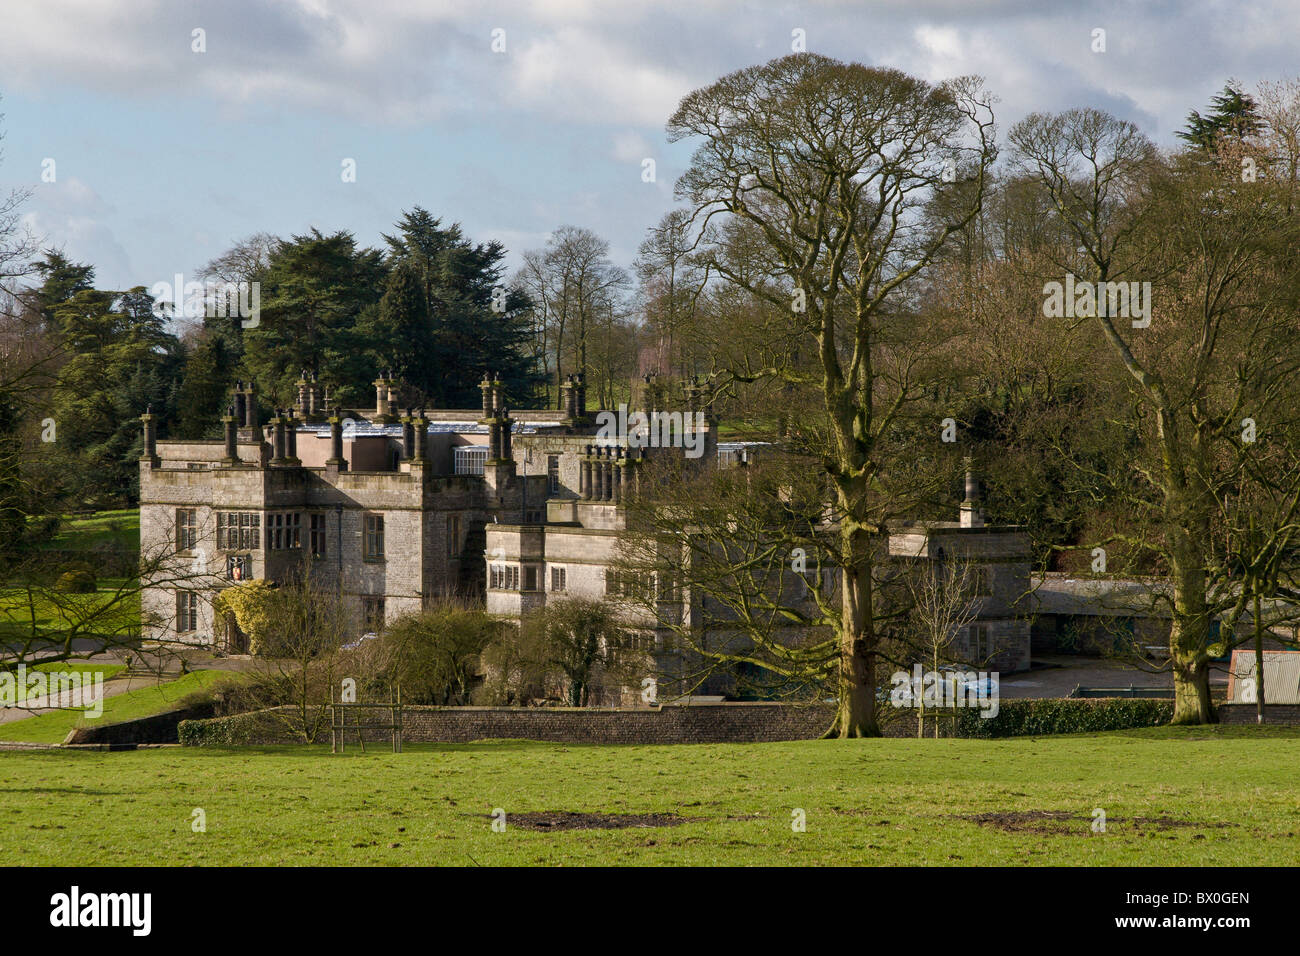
(103, 527)
(53, 727)
(56, 612)
(1210, 796)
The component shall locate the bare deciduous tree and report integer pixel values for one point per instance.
(831, 164)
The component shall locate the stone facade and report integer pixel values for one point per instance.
(396, 510)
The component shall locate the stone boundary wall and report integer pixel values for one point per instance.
(696, 724)
(1283, 715)
(157, 729)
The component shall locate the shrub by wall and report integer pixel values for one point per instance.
(1021, 718)
(234, 731)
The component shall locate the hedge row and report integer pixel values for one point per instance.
(1021, 718)
(232, 731)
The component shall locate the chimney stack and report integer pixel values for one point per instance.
(408, 436)
(232, 448)
(336, 461)
(278, 456)
(150, 439)
(421, 438)
(304, 391)
(237, 410)
(570, 399)
(971, 512)
(291, 438)
(250, 407)
(498, 397)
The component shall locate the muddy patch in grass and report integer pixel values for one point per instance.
(545, 820)
(1071, 822)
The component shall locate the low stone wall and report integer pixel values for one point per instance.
(158, 729)
(1287, 715)
(696, 724)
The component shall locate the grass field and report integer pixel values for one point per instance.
(53, 727)
(55, 613)
(121, 528)
(1200, 796)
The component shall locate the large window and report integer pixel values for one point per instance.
(187, 611)
(979, 642)
(237, 531)
(319, 526)
(553, 474)
(532, 575)
(470, 459)
(630, 584)
(504, 577)
(558, 576)
(284, 531)
(374, 550)
(187, 529)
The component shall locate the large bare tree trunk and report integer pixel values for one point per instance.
(857, 683)
(1188, 636)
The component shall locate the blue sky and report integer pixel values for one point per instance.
(165, 156)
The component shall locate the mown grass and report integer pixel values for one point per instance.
(53, 727)
(895, 802)
(120, 528)
(52, 614)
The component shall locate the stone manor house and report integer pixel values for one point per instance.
(514, 508)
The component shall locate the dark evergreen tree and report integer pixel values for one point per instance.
(205, 388)
(315, 292)
(120, 360)
(1232, 112)
(471, 323)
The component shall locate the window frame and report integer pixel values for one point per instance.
(186, 529)
(373, 533)
(552, 475)
(984, 642)
(318, 534)
(187, 611)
